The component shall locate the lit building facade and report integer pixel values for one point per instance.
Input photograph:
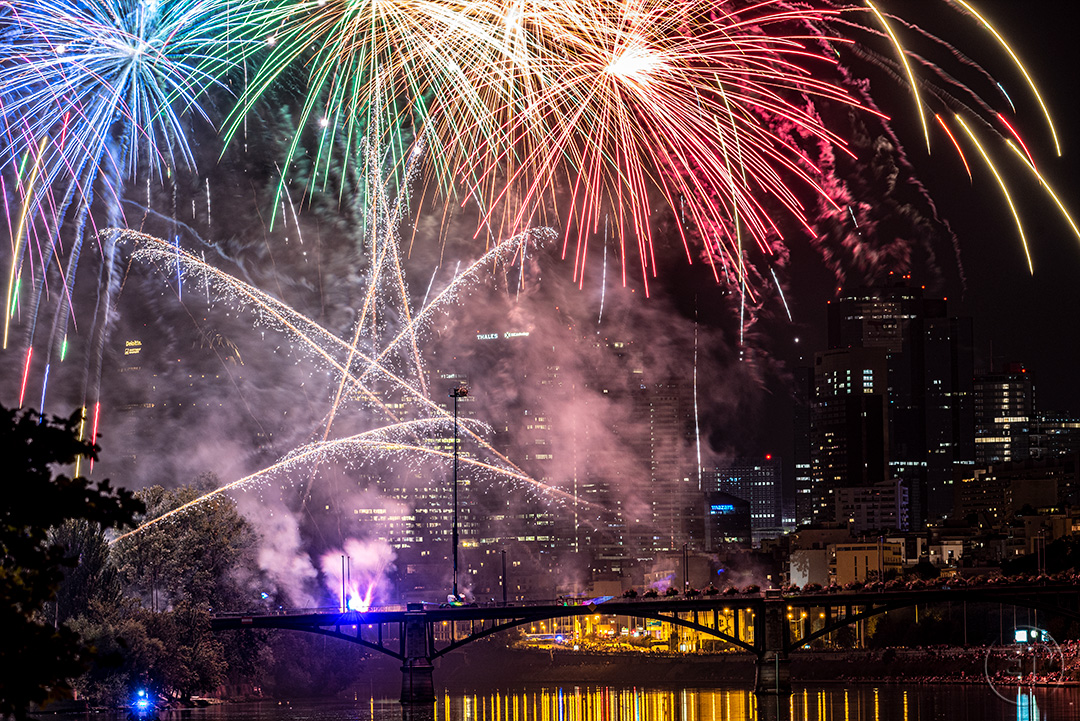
(1004, 410)
(1053, 435)
(930, 360)
(880, 507)
(848, 425)
(757, 481)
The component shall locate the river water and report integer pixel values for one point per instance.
(897, 702)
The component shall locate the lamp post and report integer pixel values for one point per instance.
(504, 575)
(460, 392)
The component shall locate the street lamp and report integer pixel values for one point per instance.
(504, 575)
(460, 392)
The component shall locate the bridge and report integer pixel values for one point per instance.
(769, 625)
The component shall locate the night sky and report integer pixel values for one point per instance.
(1018, 317)
(1028, 319)
(1032, 319)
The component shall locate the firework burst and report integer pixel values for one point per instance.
(94, 94)
(618, 107)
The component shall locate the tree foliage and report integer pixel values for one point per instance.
(205, 556)
(39, 655)
(175, 574)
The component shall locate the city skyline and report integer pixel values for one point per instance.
(269, 395)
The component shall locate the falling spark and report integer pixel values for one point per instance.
(780, 290)
(179, 280)
(82, 430)
(1031, 83)
(44, 386)
(1047, 188)
(427, 292)
(907, 68)
(94, 430)
(1006, 95)
(12, 292)
(603, 278)
(1004, 191)
(959, 151)
(26, 375)
(1012, 130)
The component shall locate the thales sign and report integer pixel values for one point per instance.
(507, 334)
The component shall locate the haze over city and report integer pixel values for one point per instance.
(417, 305)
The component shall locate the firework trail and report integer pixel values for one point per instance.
(710, 107)
(516, 94)
(358, 370)
(93, 94)
(379, 441)
(312, 336)
(714, 109)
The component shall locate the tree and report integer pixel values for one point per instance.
(39, 656)
(206, 555)
(91, 579)
(199, 561)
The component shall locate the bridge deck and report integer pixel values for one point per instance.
(1022, 595)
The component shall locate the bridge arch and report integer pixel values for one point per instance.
(336, 625)
(346, 637)
(894, 605)
(576, 611)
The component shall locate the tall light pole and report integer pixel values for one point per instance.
(504, 575)
(460, 392)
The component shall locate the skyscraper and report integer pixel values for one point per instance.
(1054, 434)
(930, 363)
(1004, 406)
(804, 398)
(757, 481)
(849, 422)
(949, 412)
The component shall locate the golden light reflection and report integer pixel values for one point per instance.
(604, 704)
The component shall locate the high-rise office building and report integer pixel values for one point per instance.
(1054, 434)
(727, 520)
(949, 412)
(848, 425)
(803, 402)
(881, 507)
(673, 489)
(1004, 409)
(930, 363)
(758, 481)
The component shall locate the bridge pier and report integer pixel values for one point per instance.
(771, 707)
(773, 675)
(773, 665)
(417, 683)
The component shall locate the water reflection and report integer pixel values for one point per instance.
(973, 702)
(863, 703)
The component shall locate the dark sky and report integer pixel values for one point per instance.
(1033, 319)
(1019, 317)
(1028, 318)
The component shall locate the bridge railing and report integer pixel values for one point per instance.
(830, 596)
